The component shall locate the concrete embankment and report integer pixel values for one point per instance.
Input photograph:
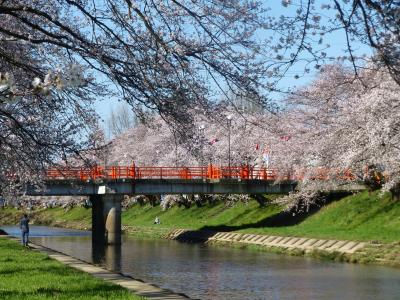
(284, 242)
(366, 252)
(332, 249)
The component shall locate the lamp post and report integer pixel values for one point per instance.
(201, 129)
(229, 122)
(176, 150)
(157, 155)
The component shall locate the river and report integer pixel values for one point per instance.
(210, 272)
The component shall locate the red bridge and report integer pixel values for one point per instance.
(107, 186)
(245, 172)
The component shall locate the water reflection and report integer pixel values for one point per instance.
(108, 256)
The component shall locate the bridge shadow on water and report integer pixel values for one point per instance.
(281, 219)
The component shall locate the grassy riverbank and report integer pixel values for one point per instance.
(360, 217)
(77, 217)
(25, 274)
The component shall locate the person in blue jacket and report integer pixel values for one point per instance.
(24, 226)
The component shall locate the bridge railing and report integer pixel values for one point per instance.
(205, 172)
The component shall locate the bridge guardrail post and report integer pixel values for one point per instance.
(209, 171)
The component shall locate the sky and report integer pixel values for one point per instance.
(105, 106)
(336, 41)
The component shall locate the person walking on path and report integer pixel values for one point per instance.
(24, 226)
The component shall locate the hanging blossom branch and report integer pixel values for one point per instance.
(69, 78)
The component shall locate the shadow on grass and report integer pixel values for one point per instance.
(281, 219)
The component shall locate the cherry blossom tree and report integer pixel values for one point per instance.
(55, 54)
(311, 25)
(174, 57)
(40, 122)
(153, 144)
(350, 125)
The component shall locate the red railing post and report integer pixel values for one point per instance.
(133, 170)
(263, 173)
(218, 172)
(94, 172)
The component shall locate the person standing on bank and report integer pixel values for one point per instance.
(24, 226)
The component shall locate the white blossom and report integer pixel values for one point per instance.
(36, 82)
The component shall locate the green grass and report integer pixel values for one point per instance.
(25, 274)
(357, 217)
(78, 217)
(198, 217)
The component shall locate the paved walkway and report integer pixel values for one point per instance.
(139, 288)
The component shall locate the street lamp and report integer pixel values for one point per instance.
(157, 155)
(202, 127)
(176, 150)
(229, 122)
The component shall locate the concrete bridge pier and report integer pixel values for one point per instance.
(106, 218)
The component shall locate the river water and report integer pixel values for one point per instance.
(209, 272)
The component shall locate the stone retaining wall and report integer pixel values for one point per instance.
(307, 244)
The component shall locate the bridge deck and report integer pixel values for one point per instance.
(161, 186)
